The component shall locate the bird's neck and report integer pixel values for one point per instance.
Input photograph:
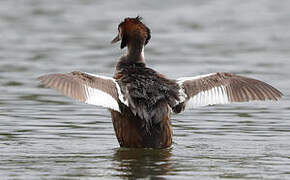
(136, 51)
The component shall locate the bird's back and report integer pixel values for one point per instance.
(149, 96)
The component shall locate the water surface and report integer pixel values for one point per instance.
(44, 135)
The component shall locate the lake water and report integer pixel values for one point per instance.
(44, 135)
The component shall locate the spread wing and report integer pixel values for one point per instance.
(222, 88)
(91, 89)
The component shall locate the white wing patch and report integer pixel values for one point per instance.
(121, 97)
(182, 95)
(216, 95)
(100, 98)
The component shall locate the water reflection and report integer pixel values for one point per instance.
(143, 163)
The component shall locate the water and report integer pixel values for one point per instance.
(44, 135)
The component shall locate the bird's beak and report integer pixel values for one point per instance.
(116, 39)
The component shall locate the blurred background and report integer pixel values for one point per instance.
(44, 135)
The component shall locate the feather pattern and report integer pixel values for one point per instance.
(223, 88)
(148, 92)
(89, 88)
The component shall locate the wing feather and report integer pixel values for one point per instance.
(91, 89)
(222, 88)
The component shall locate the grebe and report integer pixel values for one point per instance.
(141, 100)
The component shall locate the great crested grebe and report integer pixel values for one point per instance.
(141, 100)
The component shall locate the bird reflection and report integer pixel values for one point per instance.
(142, 163)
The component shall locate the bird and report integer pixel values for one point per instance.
(141, 100)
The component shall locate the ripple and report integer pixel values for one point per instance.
(46, 135)
(13, 83)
